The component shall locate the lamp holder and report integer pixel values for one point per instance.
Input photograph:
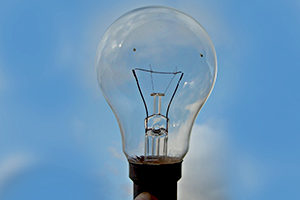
(160, 180)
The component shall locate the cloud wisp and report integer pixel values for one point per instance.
(12, 166)
(203, 166)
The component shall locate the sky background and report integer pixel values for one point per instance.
(60, 140)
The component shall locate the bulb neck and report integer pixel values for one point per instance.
(158, 180)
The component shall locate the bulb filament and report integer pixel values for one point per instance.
(157, 124)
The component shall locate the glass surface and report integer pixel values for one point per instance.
(156, 67)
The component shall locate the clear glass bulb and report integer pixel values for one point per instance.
(156, 67)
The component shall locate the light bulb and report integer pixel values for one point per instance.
(156, 67)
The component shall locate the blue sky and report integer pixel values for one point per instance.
(60, 140)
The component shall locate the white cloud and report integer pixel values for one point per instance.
(251, 173)
(204, 165)
(127, 189)
(211, 18)
(13, 165)
(115, 152)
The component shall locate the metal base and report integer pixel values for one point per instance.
(158, 180)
